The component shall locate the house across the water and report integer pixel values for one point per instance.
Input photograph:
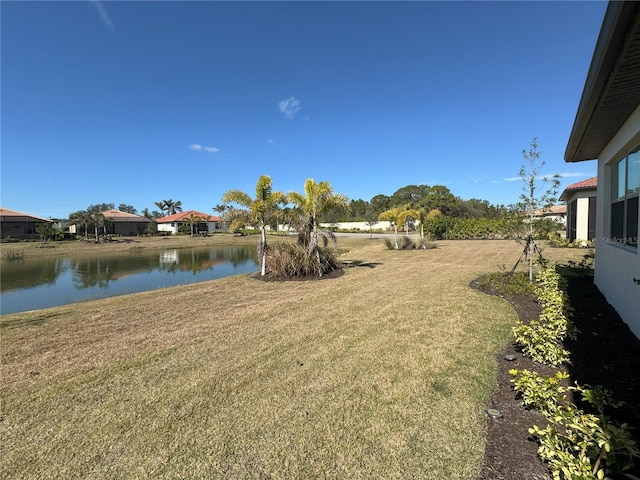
(202, 222)
(20, 225)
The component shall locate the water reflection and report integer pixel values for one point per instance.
(43, 282)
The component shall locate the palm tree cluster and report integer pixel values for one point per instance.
(269, 206)
(86, 219)
(169, 207)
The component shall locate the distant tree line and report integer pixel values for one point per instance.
(424, 197)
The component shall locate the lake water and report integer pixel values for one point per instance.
(32, 283)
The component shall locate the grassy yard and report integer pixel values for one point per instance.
(383, 372)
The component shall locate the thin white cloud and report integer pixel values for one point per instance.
(289, 107)
(512, 179)
(203, 148)
(103, 14)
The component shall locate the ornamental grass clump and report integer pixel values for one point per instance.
(405, 243)
(289, 260)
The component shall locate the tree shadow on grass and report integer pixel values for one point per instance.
(360, 263)
(27, 322)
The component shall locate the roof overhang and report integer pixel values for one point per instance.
(612, 89)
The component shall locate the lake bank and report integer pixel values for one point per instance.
(120, 244)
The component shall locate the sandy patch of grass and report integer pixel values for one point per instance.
(383, 372)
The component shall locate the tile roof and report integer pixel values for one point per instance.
(13, 215)
(553, 210)
(588, 184)
(181, 216)
(119, 216)
(584, 184)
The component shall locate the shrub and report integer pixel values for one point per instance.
(288, 260)
(576, 444)
(10, 240)
(545, 394)
(542, 339)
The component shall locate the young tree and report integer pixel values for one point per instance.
(398, 216)
(538, 193)
(256, 211)
(370, 218)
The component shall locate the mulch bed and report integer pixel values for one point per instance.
(605, 353)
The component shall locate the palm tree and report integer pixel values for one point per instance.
(173, 207)
(169, 207)
(161, 205)
(98, 220)
(193, 220)
(220, 209)
(398, 216)
(318, 198)
(83, 218)
(257, 211)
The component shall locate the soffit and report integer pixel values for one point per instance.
(612, 89)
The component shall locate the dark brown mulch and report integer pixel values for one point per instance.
(605, 353)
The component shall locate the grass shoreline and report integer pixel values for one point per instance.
(120, 245)
(382, 372)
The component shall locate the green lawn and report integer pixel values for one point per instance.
(383, 372)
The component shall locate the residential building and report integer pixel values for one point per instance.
(607, 128)
(118, 223)
(19, 225)
(557, 213)
(205, 223)
(581, 209)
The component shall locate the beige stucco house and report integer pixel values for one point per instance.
(581, 209)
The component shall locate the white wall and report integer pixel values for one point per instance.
(616, 265)
(380, 226)
(166, 227)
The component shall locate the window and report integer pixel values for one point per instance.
(625, 189)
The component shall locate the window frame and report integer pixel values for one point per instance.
(623, 202)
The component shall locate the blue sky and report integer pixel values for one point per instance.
(136, 102)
